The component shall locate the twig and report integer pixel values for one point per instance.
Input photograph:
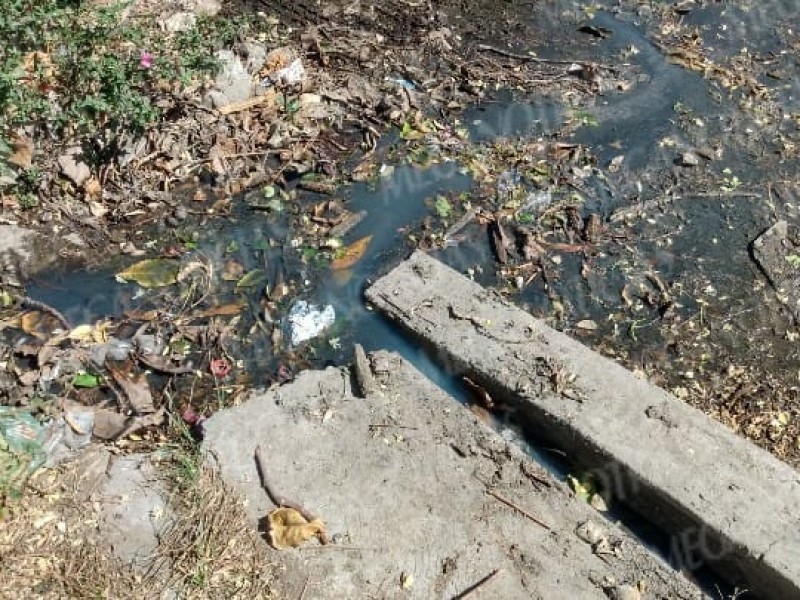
(461, 223)
(516, 507)
(280, 501)
(475, 587)
(32, 304)
(303, 591)
(535, 59)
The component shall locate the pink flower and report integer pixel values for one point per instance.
(220, 368)
(145, 60)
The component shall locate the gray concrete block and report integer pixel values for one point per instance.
(728, 503)
(403, 479)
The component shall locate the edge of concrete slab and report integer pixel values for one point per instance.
(726, 502)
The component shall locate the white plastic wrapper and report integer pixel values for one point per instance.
(307, 321)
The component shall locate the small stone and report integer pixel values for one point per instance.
(181, 213)
(73, 168)
(625, 592)
(364, 379)
(590, 532)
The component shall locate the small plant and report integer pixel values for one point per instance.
(76, 67)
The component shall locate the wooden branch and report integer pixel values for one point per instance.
(522, 511)
(535, 59)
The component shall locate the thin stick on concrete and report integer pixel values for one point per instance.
(303, 591)
(475, 587)
(516, 507)
(280, 501)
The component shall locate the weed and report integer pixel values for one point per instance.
(78, 68)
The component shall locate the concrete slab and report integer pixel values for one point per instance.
(729, 503)
(134, 509)
(402, 478)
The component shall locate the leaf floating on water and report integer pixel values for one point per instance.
(288, 528)
(442, 206)
(153, 272)
(251, 278)
(351, 254)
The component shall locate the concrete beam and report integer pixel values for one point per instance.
(726, 502)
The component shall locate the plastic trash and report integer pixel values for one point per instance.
(21, 450)
(403, 83)
(307, 321)
(292, 74)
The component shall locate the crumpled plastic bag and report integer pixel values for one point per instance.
(306, 321)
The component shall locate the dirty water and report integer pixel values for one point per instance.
(706, 255)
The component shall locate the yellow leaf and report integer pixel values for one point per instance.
(287, 527)
(351, 254)
(82, 333)
(33, 322)
(154, 272)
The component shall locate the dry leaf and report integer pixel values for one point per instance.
(351, 254)
(219, 311)
(93, 188)
(82, 333)
(22, 156)
(137, 390)
(288, 528)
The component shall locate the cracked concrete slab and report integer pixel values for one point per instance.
(421, 499)
(728, 503)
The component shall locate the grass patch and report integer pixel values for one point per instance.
(72, 68)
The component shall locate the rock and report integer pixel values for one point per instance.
(364, 379)
(73, 168)
(207, 8)
(689, 159)
(624, 592)
(777, 252)
(384, 473)
(256, 56)
(590, 532)
(181, 21)
(134, 509)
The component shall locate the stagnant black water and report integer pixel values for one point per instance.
(709, 236)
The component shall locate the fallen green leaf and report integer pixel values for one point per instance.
(251, 278)
(150, 273)
(85, 380)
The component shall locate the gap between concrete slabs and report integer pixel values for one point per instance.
(726, 502)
